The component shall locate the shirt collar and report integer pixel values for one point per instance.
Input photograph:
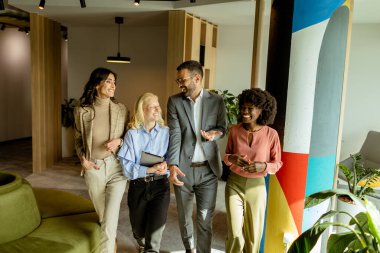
(199, 96)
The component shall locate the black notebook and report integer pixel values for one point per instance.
(148, 159)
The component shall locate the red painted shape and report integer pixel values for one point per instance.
(292, 178)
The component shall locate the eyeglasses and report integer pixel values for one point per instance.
(181, 81)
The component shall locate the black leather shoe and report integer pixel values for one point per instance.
(190, 250)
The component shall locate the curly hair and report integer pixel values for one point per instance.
(262, 100)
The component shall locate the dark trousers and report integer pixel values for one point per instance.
(148, 204)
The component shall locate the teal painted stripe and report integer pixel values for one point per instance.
(320, 174)
(311, 12)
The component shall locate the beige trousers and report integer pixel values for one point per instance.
(245, 203)
(106, 187)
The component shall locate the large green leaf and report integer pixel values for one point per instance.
(373, 216)
(337, 243)
(306, 241)
(319, 197)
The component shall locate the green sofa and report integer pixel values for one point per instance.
(44, 220)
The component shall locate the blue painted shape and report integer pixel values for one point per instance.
(265, 218)
(310, 12)
(320, 174)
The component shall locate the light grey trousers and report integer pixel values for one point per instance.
(106, 187)
(202, 183)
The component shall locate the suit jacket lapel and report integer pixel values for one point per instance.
(206, 104)
(189, 111)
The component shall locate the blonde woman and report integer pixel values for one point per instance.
(148, 194)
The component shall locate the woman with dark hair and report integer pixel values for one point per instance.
(149, 191)
(99, 128)
(253, 151)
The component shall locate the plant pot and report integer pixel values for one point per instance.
(350, 208)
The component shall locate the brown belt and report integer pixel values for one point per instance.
(199, 164)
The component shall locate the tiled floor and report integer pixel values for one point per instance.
(16, 156)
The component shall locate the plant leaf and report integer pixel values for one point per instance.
(337, 243)
(306, 241)
(373, 216)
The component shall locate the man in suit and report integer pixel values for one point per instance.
(196, 118)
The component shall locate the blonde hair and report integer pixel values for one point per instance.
(138, 118)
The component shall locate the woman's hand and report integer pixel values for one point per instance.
(159, 168)
(113, 145)
(255, 167)
(238, 160)
(88, 165)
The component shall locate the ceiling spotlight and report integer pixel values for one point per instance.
(118, 58)
(42, 5)
(82, 3)
(137, 2)
(2, 5)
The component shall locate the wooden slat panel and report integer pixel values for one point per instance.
(46, 96)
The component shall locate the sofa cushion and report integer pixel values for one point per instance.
(53, 203)
(19, 213)
(70, 234)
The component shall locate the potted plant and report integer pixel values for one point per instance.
(362, 234)
(232, 105)
(68, 123)
(359, 179)
(67, 112)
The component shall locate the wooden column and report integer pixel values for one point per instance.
(190, 38)
(46, 91)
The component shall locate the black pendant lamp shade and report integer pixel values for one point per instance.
(118, 58)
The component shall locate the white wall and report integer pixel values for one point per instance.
(88, 48)
(362, 104)
(15, 84)
(234, 58)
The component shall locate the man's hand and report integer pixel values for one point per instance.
(210, 135)
(88, 165)
(174, 173)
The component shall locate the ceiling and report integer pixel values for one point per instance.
(220, 12)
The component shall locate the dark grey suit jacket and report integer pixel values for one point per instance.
(182, 133)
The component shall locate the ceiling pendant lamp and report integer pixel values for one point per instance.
(118, 58)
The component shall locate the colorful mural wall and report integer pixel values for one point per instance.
(320, 35)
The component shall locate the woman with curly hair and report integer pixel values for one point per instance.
(253, 151)
(149, 192)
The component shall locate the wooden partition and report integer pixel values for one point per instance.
(190, 38)
(46, 91)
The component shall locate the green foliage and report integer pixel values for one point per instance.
(357, 174)
(67, 112)
(232, 105)
(363, 231)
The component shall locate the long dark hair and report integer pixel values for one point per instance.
(89, 93)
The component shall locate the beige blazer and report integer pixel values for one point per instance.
(83, 127)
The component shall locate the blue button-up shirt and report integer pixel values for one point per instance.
(136, 140)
